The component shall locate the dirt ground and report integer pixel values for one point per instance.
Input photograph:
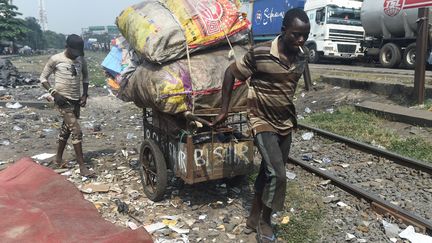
(210, 212)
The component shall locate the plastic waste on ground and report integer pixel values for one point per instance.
(410, 234)
(307, 136)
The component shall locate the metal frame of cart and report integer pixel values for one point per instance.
(194, 156)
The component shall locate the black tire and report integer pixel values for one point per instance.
(409, 56)
(390, 55)
(153, 170)
(313, 54)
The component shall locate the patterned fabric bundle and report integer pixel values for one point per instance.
(172, 89)
(164, 30)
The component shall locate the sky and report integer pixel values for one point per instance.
(70, 16)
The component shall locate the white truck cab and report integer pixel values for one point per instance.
(336, 29)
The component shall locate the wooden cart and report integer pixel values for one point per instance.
(196, 154)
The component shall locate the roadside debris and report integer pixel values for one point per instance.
(410, 234)
(307, 136)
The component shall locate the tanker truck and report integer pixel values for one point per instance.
(390, 32)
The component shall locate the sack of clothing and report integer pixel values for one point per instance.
(165, 30)
(171, 88)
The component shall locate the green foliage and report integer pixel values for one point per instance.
(34, 35)
(368, 128)
(306, 218)
(53, 40)
(11, 27)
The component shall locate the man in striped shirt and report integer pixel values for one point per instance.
(273, 70)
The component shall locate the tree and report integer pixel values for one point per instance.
(11, 27)
(54, 40)
(34, 35)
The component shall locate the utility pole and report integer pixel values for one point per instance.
(43, 20)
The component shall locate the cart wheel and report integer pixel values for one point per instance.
(153, 170)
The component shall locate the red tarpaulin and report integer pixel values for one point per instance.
(417, 3)
(37, 205)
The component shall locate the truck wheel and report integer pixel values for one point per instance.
(409, 56)
(390, 55)
(313, 54)
(153, 170)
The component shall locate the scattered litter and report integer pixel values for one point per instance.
(134, 194)
(169, 217)
(349, 237)
(122, 207)
(342, 204)
(317, 161)
(361, 240)
(314, 101)
(345, 165)
(374, 143)
(303, 95)
(331, 198)
(132, 225)
(130, 136)
(17, 128)
(169, 222)
(67, 173)
(189, 222)
(307, 136)
(326, 182)
(95, 187)
(326, 160)
(410, 234)
(285, 220)
(290, 175)
(394, 240)
(43, 156)
(308, 110)
(16, 105)
(336, 87)
(391, 230)
(221, 227)
(179, 230)
(330, 110)
(183, 239)
(300, 117)
(231, 236)
(202, 217)
(60, 171)
(154, 227)
(307, 157)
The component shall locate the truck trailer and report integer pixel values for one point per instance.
(390, 32)
(336, 29)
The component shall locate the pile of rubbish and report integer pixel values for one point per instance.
(10, 77)
(174, 54)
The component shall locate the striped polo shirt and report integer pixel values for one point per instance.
(272, 85)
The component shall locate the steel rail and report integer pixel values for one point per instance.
(409, 162)
(394, 210)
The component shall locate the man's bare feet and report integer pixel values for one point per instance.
(84, 171)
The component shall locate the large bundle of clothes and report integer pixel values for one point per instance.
(178, 53)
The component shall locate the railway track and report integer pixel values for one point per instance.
(391, 183)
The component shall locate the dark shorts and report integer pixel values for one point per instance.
(70, 126)
(271, 180)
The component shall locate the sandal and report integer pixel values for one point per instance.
(62, 165)
(249, 230)
(264, 238)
